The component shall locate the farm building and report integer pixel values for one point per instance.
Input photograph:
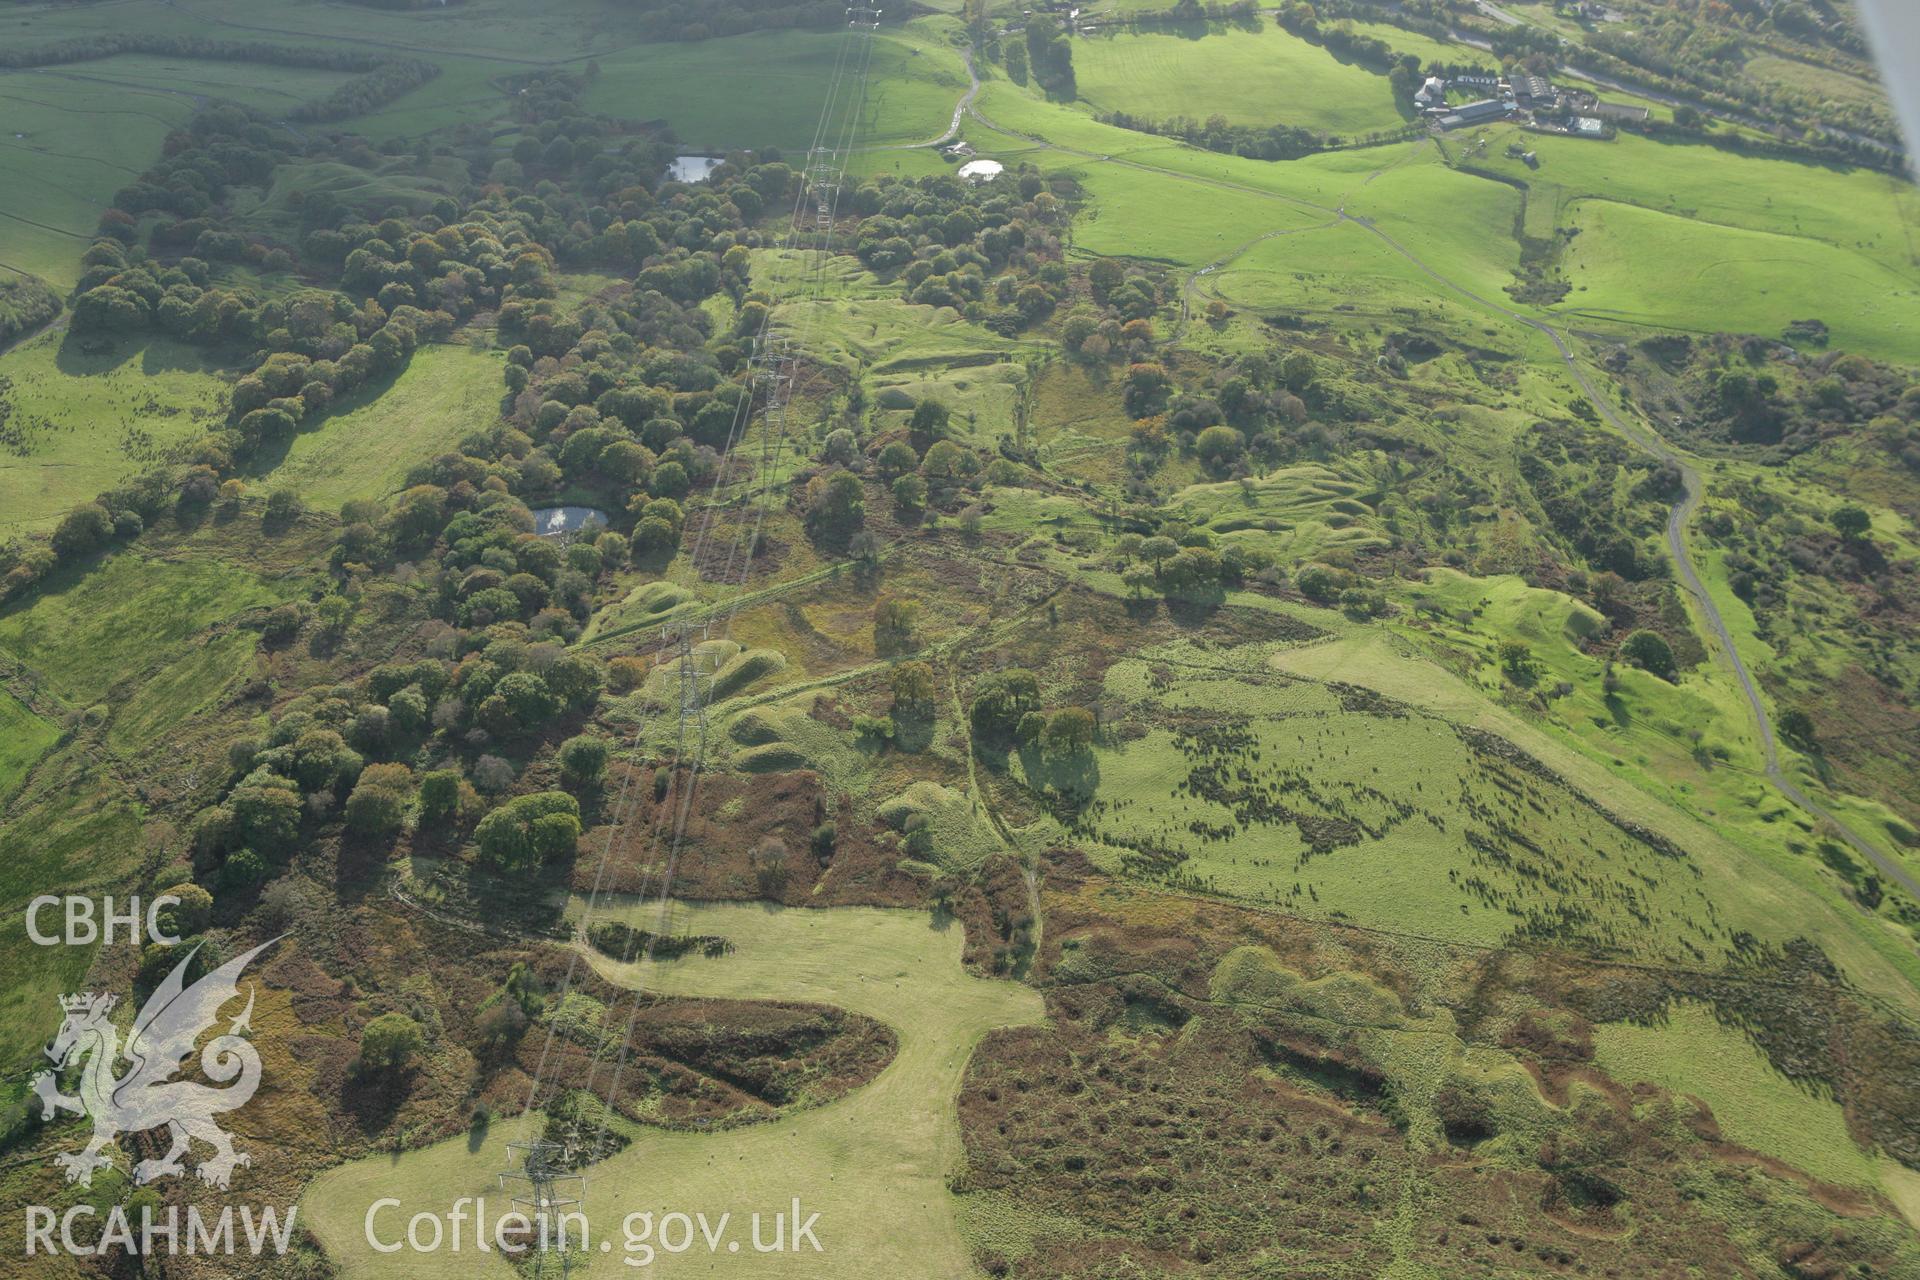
(1475, 113)
(1621, 111)
(1589, 127)
(1432, 95)
(1534, 89)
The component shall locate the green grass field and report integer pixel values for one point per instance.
(748, 90)
(1823, 83)
(466, 89)
(1814, 236)
(1691, 1053)
(67, 145)
(872, 1164)
(1403, 801)
(74, 830)
(183, 691)
(1140, 214)
(91, 634)
(1690, 237)
(1456, 224)
(89, 421)
(24, 738)
(1252, 78)
(495, 30)
(1643, 267)
(768, 90)
(1401, 40)
(269, 89)
(364, 451)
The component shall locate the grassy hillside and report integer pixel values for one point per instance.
(1653, 269)
(91, 634)
(1261, 77)
(767, 90)
(1181, 735)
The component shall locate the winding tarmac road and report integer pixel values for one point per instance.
(1678, 519)
(965, 104)
(959, 113)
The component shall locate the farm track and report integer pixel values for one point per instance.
(1678, 519)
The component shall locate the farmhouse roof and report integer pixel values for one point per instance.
(1475, 112)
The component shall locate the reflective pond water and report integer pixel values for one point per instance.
(552, 522)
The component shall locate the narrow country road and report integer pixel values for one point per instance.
(959, 113)
(1677, 521)
(965, 105)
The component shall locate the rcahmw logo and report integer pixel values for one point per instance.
(146, 1096)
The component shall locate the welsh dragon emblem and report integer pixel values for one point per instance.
(146, 1096)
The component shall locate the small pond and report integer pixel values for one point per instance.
(554, 522)
(692, 168)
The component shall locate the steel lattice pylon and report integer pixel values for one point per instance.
(546, 1193)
